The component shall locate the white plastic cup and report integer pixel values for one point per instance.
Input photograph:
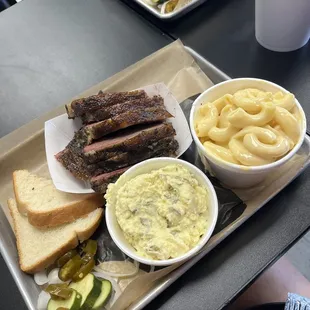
(282, 25)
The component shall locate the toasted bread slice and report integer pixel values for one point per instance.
(46, 206)
(39, 248)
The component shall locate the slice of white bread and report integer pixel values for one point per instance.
(46, 206)
(39, 248)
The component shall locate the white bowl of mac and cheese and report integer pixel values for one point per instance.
(246, 128)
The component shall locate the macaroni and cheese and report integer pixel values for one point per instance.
(250, 127)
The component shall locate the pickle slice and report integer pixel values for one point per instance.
(61, 261)
(59, 291)
(73, 303)
(90, 289)
(170, 6)
(84, 270)
(90, 247)
(67, 271)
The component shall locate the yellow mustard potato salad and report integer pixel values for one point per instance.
(250, 127)
(163, 213)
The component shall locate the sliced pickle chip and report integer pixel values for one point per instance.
(61, 261)
(67, 271)
(84, 271)
(90, 247)
(59, 291)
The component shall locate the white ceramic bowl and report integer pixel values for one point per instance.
(233, 175)
(146, 167)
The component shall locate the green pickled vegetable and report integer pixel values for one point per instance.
(74, 303)
(84, 270)
(90, 247)
(67, 271)
(90, 289)
(170, 6)
(59, 291)
(65, 258)
(106, 290)
(86, 258)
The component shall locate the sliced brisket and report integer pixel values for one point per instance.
(100, 183)
(142, 134)
(168, 144)
(96, 131)
(74, 163)
(108, 112)
(164, 147)
(132, 140)
(81, 106)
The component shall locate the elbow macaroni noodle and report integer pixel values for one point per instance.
(250, 127)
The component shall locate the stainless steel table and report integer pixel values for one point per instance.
(52, 50)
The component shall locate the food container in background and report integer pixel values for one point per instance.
(233, 175)
(282, 25)
(182, 8)
(146, 167)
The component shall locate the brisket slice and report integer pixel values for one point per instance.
(132, 140)
(81, 106)
(108, 112)
(164, 147)
(100, 183)
(166, 144)
(74, 163)
(140, 116)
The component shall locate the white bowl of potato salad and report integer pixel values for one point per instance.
(245, 128)
(161, 211)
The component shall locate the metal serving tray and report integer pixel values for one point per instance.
(30, 290)
(190, 6)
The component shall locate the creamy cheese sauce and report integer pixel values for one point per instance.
(164, 213)
(250, 127)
